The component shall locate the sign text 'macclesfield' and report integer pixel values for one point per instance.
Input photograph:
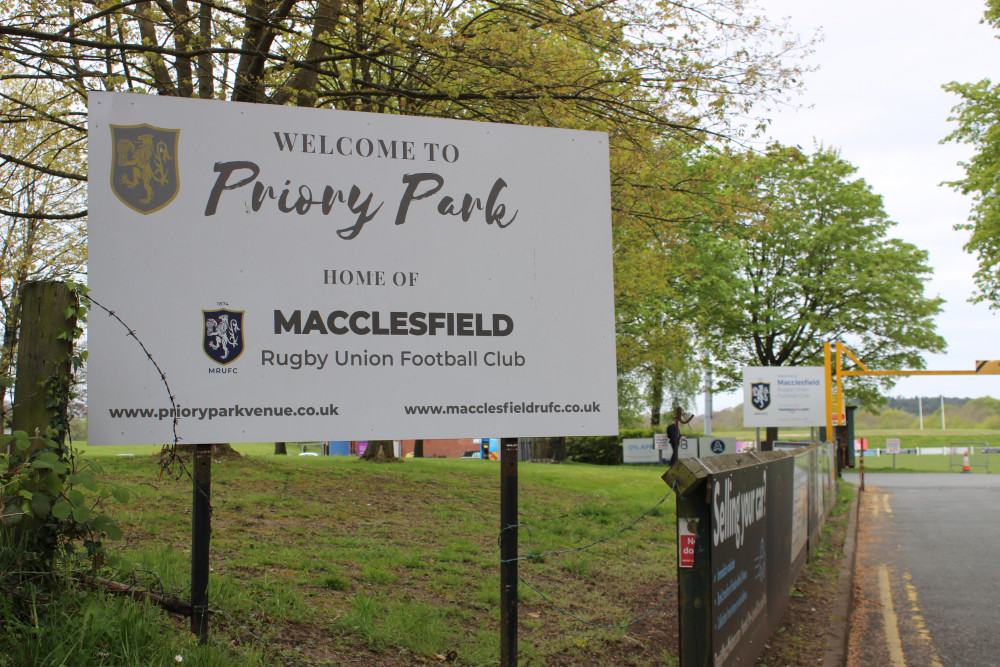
(394, 323)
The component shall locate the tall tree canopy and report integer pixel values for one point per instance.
(810, 259)
(660, 77)
(978, 118)
(630, 67)
(42, 234)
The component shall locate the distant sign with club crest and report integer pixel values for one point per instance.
(306, 274)
(780, 396)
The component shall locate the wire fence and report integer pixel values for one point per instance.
(531, 555)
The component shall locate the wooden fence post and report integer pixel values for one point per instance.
(43, 352)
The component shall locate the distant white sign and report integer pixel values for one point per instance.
(639, 450)
(305, 274)
(892, 445)
(778, 396)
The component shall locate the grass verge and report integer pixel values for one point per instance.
(333, 560)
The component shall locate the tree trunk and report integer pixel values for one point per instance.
(655, 396)
(771, 435)
(379, 451)
(280, 449)
(559, 449)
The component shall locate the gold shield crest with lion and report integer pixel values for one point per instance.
(144, 174)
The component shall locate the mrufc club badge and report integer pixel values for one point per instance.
(144, 172)
(223, 335)
(760, 395)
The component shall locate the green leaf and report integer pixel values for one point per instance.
(6, 439)
(48, 456)
(105, 524)
(84, 479)
(49, 460)
(24, 493)
(75, 496)
(121, 494)
(62, 509)
(40, 505)
(53, 484)
(81, 514)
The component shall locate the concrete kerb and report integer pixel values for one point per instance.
(840, 625)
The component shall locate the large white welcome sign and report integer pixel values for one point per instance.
(303, 274)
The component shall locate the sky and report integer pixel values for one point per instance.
(876, 96)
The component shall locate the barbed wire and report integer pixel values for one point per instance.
(168, 456)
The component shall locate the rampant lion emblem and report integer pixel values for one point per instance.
(223, 335)
(144, 170)
(760, 395)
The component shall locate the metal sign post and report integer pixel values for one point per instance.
(892, 447)
(508, 552)
(201, 534)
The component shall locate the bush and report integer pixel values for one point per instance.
(605, 450)
(51, 506)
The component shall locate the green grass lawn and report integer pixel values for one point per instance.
(333, 560)
(329, 559)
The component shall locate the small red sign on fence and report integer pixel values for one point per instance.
(686, 550)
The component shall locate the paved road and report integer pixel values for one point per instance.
(929, 552)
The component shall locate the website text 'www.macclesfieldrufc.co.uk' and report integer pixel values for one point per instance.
(331, 410)
(510, 407)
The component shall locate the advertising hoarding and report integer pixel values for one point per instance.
(750, 575)
(306, 274)
(640, 450)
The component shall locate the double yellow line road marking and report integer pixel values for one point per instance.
(890, 620)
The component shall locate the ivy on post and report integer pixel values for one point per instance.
(39, 503)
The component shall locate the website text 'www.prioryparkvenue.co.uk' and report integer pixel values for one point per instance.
(329, 410)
